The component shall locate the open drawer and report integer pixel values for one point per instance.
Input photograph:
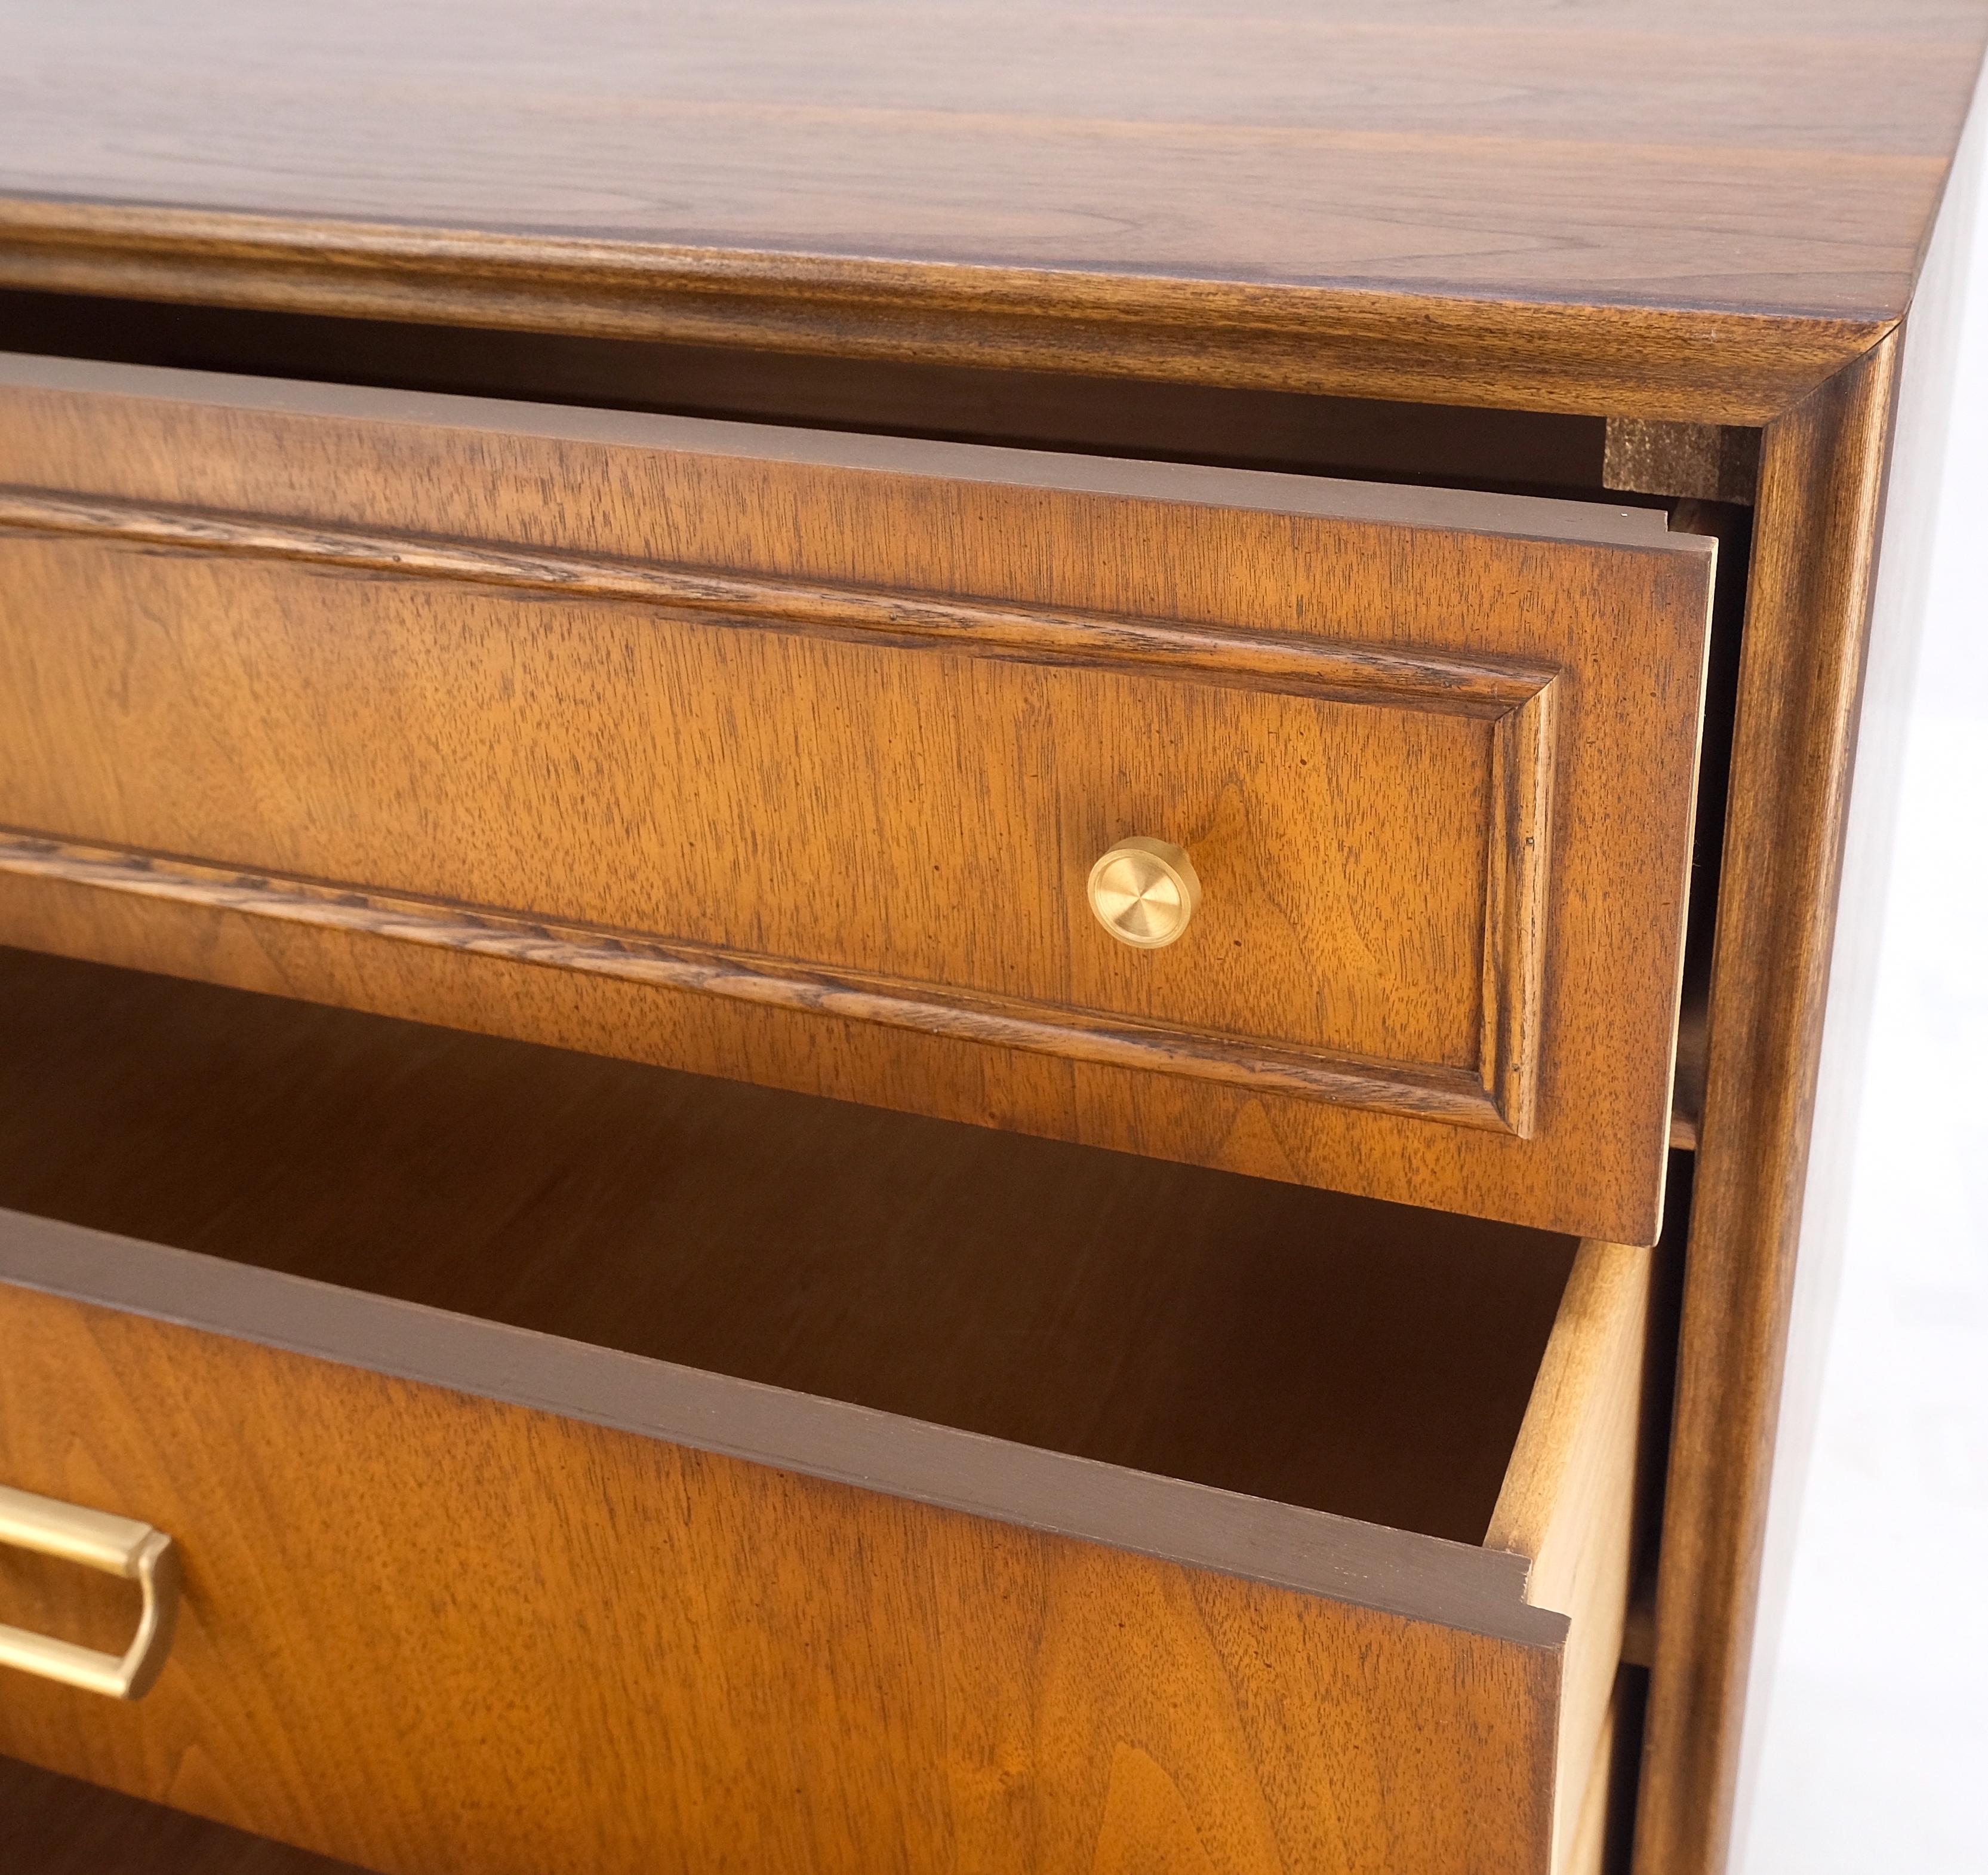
(579, 1464)
(875, 768)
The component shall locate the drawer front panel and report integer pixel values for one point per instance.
(425, 1630)
(844, 739)
(910, 825)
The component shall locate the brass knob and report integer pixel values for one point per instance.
(1144, 891)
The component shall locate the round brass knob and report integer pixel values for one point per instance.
(1144, 891)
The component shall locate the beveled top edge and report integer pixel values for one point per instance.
(1471, 511)
(1572, 355)
(1312, 1552)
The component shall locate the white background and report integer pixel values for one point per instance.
(1867, 1751)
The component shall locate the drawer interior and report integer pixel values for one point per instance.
(1520, 452)
(1335, 1353)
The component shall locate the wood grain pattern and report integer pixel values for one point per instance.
(1260, 1539)
(1500, 1091)
(1342, 698)
(1459, 1096)
(356, 1672)
(1454, 446)
(1587, 1852)
(588, 1198)
(1358, 199)
(1699, 461)
(1491, 687)
(1352, 343)
(1568, 1499)
(944, 1273)
(1821, 484)
(168, 1146)
(1697, 218)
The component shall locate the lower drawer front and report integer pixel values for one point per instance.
(425, 1628)
(789, 757)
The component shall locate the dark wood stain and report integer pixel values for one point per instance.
(1454, 446)
(1356, 198)
(1821, 489)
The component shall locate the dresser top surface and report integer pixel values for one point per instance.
(1775, 160)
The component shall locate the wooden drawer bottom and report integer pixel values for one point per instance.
(582, 1466)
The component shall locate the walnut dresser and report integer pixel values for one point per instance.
(912, 918)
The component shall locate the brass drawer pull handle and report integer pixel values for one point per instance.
(118, 1546)
(1144, 891)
